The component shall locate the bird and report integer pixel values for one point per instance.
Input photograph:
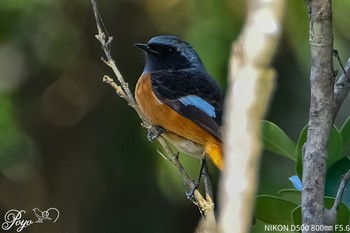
(41, 215)
(178, 96)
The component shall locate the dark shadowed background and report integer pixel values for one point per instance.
(66, 139)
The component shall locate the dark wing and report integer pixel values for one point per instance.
(193, 94)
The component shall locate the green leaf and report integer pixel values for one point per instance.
(291, 195)
(335, 148)
(296, 217)
(345, 134)
(333, 178)
(274, 210)
(276, 140)
(299, 151)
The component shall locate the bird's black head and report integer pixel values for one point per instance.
(170, 53)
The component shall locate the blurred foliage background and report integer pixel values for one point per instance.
(67, 140)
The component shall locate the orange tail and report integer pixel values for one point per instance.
(214, 150)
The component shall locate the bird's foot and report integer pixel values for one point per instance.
(154, 132)
(197, 182)
(190, 193)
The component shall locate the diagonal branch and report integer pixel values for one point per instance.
(341, 190)
(205, 205)
(330, 215)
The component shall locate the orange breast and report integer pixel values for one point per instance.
(164, 116)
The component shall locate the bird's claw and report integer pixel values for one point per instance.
(190, 193)
(154, 132)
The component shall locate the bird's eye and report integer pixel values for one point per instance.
(171, 50)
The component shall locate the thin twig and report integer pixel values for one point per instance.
(117, 88)
(330, 215)
(336, 54)
(341, 89)
(205, 205)
(341, 190)
(206, 208)
(106, 47)
(174, 159)
(207, 182)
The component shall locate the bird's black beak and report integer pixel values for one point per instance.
(145, 48)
